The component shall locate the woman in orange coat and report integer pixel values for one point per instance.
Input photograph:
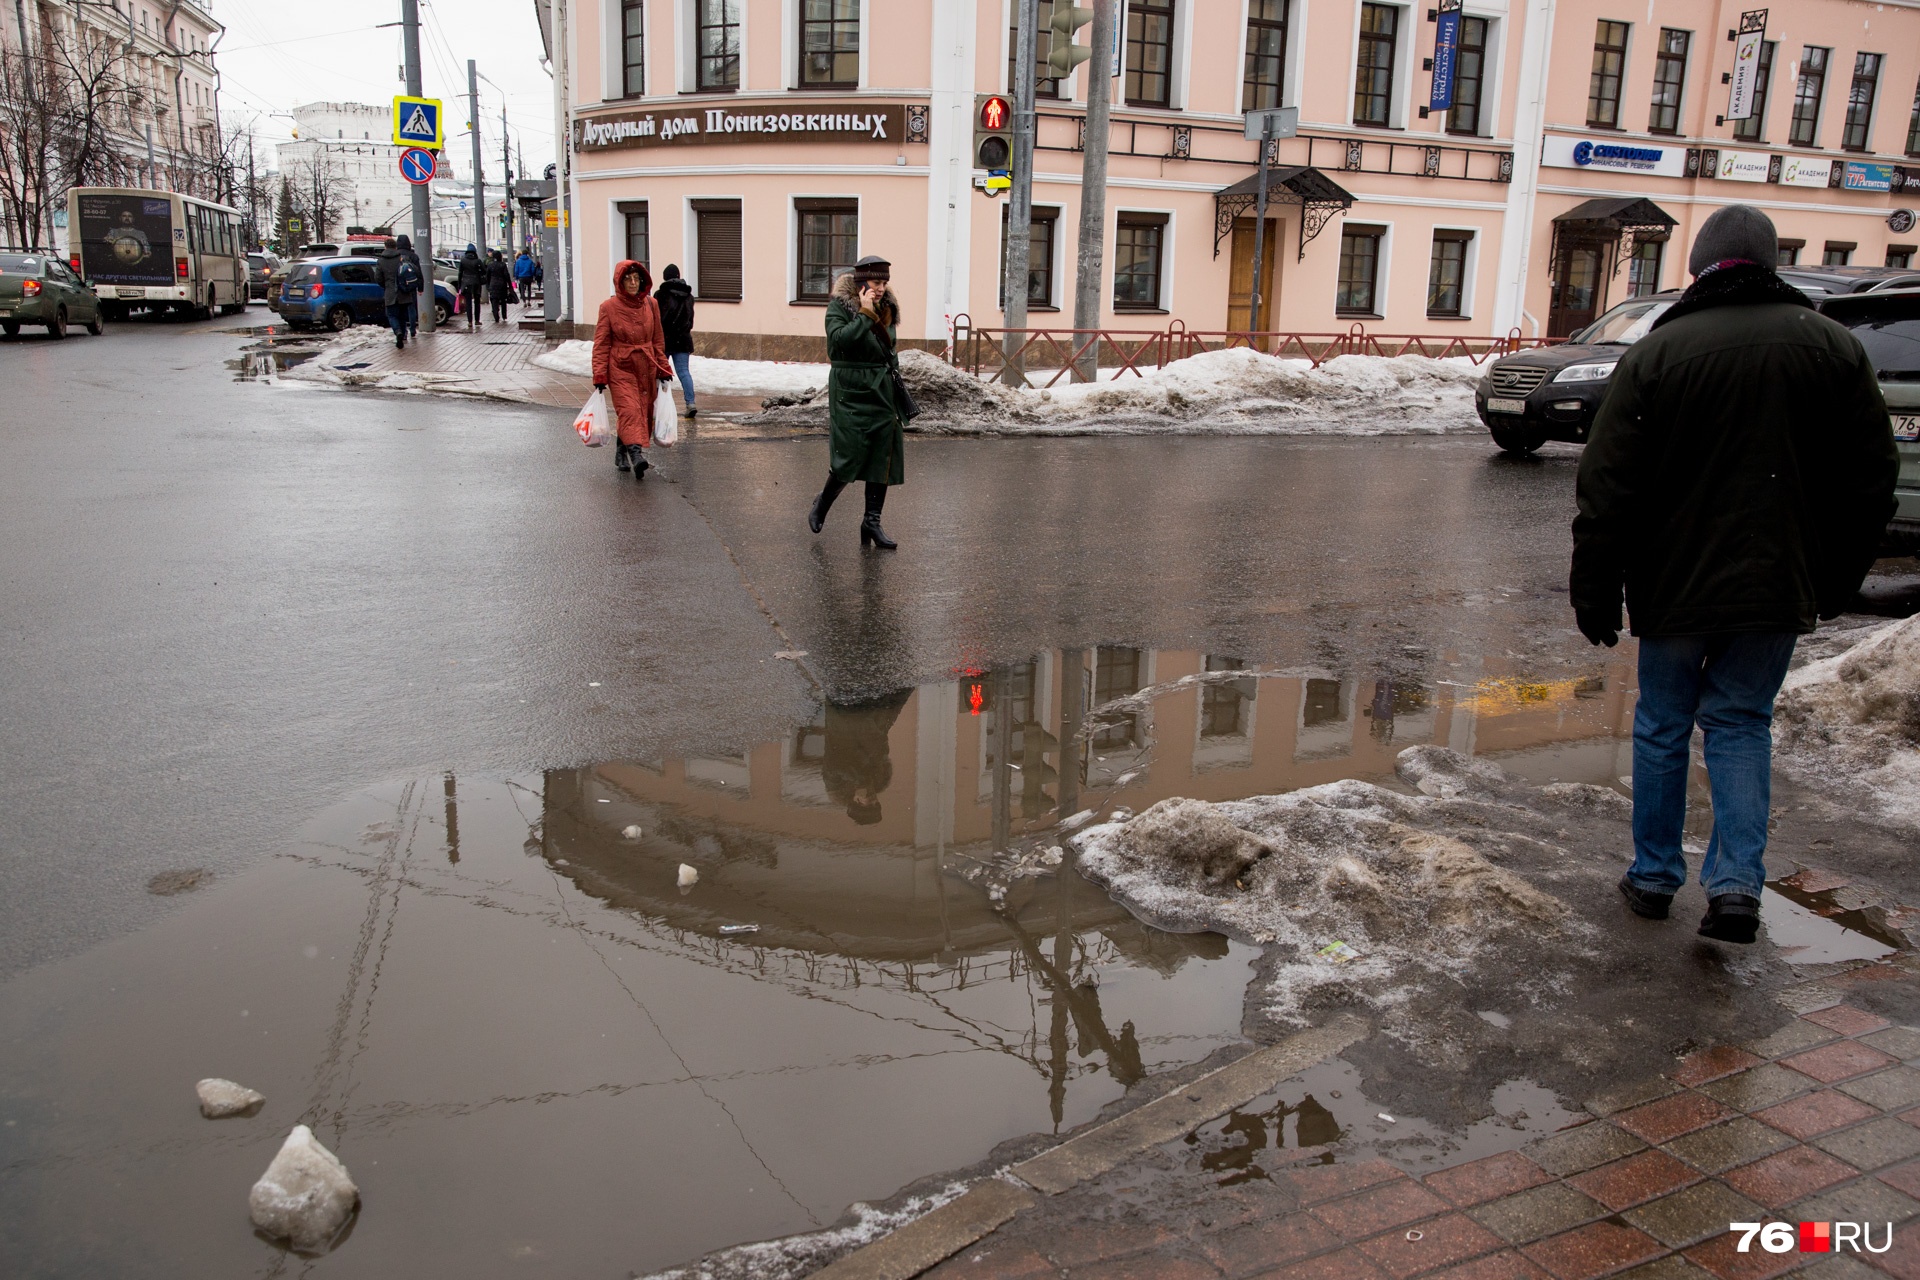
(630, 360)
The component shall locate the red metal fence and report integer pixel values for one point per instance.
(1057, 351)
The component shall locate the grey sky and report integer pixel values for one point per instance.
(278, 54)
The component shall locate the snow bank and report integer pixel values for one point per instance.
(1231, 392)
(1852, 720)
(791, 1257)
(720, 377)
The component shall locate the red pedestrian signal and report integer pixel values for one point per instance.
(995, 114)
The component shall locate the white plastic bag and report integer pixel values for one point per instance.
(666, 421)
(595, 423)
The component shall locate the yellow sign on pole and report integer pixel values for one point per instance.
(416, 123)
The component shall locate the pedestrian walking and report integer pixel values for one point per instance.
(473, 278)
(499, 285)
(399, 276)
(856, 763)
(675, 297)
(523, 275)
(867, 440)
(1736, 485)
(630, 361)
(405, 245)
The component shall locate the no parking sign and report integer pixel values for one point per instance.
(417, 165)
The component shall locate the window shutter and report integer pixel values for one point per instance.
(719, 249)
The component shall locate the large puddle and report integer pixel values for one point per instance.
(538, 1050)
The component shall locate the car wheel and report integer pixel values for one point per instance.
(57, 327)
(1518, 444)
(97, 325)
(340, 318)
(11, 328)
(442, 313)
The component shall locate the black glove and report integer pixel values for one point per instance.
(599, 386)
(1599, 626)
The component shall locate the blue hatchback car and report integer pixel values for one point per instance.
(341, 292)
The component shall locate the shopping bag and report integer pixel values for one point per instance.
(595, 423)
(666, 421)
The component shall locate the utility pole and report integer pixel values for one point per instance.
(1260, 226)
(506, 177)
(422, 192)
(1091, 261)
(479, 179)
(1020, 206)
(563, 160)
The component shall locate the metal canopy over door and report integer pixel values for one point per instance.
(1586, 255)
(1240, 286)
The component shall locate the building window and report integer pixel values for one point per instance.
(633, 213)
(1609, 63)
(1044, 84)
(1139, 246)
(1866, 79)
(633, 48)
(1790, 252)
(1373, 76)
(716, 34)
(1749, 130)
(1264, 82)
(1837, 253)
(1446, 273)
(829, 245)
(829, 44)
(1149, 53)
(1358, 293)
(1643, 268)
(1039, 257)
(1669, 79)
(717, 249)
(1469, 77)
(1913, 125)
(1806, 96)
(1900, 255)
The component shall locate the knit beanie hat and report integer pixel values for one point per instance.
(1738, 231)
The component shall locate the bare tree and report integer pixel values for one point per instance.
(319, 186)
(58, 104)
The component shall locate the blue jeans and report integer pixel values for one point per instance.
(1726, 684)
(397, 319)
(683, 365)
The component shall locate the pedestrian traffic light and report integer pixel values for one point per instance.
(1066, 55)
(993, 140)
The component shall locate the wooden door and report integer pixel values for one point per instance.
(1579, 286)
(1240, 285)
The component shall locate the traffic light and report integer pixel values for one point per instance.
(1066, 55)
(993, 140)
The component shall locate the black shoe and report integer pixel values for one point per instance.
(399, 342)
(870, 531)
(822, 504)
(692, 412)
(1644, 902)
(620, 457)
(1731, 917)
(640, 465)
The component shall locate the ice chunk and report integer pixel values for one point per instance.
(689, 876)
(1853, 720)
(222, 1098)
(305, 1196)
(632, 832)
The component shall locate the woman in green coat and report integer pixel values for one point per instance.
(868, 428)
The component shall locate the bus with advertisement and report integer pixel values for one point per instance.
(157, 251)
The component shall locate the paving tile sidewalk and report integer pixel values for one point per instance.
(1818, 1121)
(496, 357)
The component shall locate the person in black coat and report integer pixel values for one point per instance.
(405, 245)
(473, 278)
(499, 285)
(676, 318)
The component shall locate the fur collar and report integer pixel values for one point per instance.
(846, 292)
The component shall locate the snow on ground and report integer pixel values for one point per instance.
(720, 377)
(790, 1257)
(1851, 720)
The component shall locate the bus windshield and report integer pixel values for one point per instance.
(126, 239)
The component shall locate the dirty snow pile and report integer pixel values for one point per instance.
(710, 376)
(1236, 392)
(1422, 890)
(1852, 720)
(791, 1257)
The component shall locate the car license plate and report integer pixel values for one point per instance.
(1506, 406)
(129, 293)
(1906, 426)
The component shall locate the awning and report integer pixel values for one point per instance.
(1619, 213)
(1318, 196)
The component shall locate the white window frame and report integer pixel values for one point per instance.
(1169, 238)
(1382, 271)
(1290, 73)
(790, 48)
(690, 242)
(1400, 108)
(1492, 81)
(1469, 267)
(793, 227)
(686, 45)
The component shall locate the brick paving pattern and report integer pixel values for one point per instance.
(1814, 1122)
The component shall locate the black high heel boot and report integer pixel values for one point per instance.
(870, 530)
(822, 504)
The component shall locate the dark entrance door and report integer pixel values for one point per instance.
(1579, 285)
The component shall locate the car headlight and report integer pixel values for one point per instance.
(1586, 372)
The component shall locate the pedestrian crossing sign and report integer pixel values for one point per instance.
(416, 123)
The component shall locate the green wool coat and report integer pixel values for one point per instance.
(868, 438)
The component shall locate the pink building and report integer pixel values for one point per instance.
(763, 145)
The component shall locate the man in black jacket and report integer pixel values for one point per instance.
(675, 297)
(1737, 483)
(399, 278)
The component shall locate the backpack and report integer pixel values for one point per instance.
(409, 276)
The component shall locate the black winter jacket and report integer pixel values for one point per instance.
(676, 315)
(499, 280)
(473, 273)
(1739, 475)
(387, 270)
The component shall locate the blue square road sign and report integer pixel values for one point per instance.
(416, 123)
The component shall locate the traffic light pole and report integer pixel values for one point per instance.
(1020, 207)
(1091, 261)
(422, 191)
(479, 178)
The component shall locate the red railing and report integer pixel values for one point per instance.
(983, 351)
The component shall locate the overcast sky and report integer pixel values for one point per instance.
(278, 54)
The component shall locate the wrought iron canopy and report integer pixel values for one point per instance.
(1318, 196)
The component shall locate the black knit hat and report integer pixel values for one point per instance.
(1738, 232)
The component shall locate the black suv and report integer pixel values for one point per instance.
(1820, 283)
(1888, 326)
(1552, 393)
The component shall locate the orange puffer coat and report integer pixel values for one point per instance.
(630, 354)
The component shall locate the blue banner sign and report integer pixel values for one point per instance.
(1867, 175)
(1446, 47)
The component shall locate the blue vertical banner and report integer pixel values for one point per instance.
(1446, 47)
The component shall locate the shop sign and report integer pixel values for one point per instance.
(1743, 166)
(847, 122)
(1867, 175)
(1804, 171)
(1614, 156)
